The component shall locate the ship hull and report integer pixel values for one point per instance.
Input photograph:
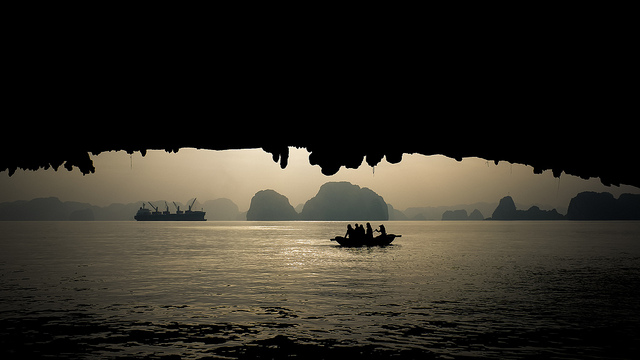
(194, 216)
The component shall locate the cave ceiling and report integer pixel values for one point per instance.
(556, 100)
(610, 155)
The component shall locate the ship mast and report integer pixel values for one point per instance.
(193, 202)
(178, 208)
(154, 208)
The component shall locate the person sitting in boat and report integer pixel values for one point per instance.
(369, 235)
(361, 232)
(349, 233)
(381, 230)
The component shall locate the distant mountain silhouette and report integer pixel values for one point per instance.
(43, 209)
(117, 211)
(476, 215)
(82, 215)
(436, 212)
(462, 215)
(455, 215)
(506, 210)
(268, 205)
(52, 209)
(345, 201)
(221, 209)
(590, 205)
(395, 214)
(334, 201)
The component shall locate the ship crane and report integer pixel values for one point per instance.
(178, 208)
(180, 215)
(193, 202)
(154, 208)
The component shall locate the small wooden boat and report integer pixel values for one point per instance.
(382, 240)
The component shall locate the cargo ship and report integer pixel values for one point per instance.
(145, 214)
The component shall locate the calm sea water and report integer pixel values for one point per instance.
(450, 290)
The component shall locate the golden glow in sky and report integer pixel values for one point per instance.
(238, 174)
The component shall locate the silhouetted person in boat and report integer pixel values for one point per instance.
(369, 232)
(350, 231)
(361, 232)
(381, 230)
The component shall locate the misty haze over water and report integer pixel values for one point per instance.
(494, 290)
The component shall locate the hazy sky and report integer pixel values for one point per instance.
(238, 174)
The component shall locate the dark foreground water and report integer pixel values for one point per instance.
(445, 290)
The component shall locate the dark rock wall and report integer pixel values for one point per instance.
(345, 201)
(268, 205)
(608, 153)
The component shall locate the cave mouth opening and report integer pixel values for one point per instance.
(334, 151)
(407, 181)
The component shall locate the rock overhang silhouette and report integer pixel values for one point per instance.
(610, 155)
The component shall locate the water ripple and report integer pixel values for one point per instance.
(229, 293)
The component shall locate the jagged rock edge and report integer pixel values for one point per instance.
(331, 160)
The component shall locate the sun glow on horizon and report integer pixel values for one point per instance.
(238, 174)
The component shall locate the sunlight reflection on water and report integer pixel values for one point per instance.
(453, 289)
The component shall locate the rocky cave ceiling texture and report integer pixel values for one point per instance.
(558, 99)
(609, 154)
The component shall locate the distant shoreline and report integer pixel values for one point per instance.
(584, 206)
